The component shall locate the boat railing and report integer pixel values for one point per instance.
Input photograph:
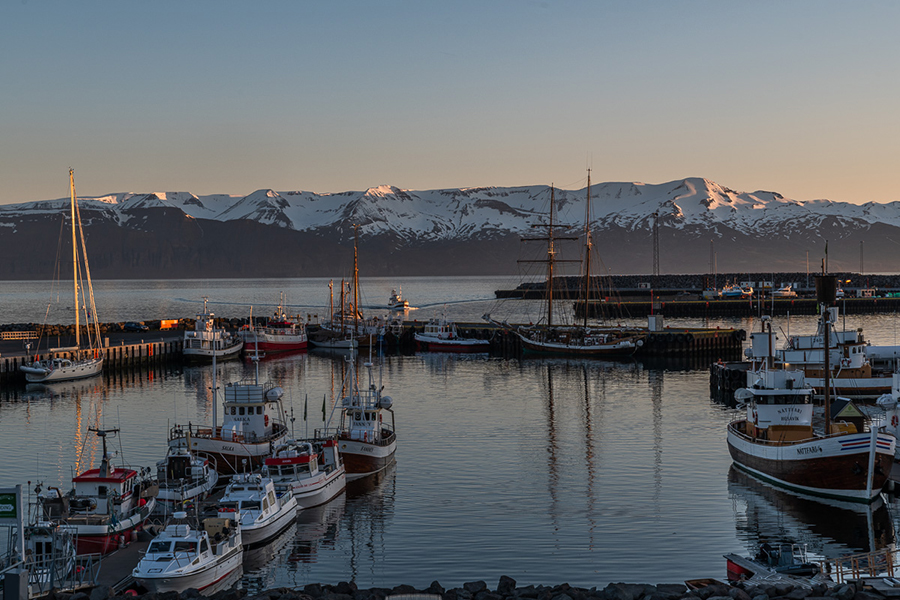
(854, 566)
(178, 432)
(757, 440)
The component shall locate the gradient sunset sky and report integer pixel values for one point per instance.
(800, 97)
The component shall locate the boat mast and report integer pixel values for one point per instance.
(331, 301)
(75, 260)
(356, 278)
(588, 245)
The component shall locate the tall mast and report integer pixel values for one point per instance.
(551, 253)
(355, 278)
(331, 302)
(588, 244)
(75, 260)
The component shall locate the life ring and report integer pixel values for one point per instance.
(266, 420)
(226, 510)
(895, 421)
(845, 362)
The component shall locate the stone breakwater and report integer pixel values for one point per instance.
(508, 590)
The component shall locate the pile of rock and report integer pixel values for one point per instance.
(507, 590)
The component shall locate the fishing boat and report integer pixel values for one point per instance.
(367, 442)
(106, 507)
(772, 563)
(582, 339)
(777, 442)
(312, 468)
(441, 335)
(81, 360)
(736, 292)
(396, 301)
(187, 554)
(252, 426)
(207, 341)
(262, 509)
(184, 478)
(281, 333)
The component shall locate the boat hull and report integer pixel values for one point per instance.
(254, 536)
(205, 355)
(362, 459)
(624, 347)
(315, 491)
(230, 456)
(201, 579)
(433, 344)
(79, 370)
(834, 467)
(101, 537)
(277, 345)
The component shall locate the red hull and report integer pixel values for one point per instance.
(104, 544)
(275, 347)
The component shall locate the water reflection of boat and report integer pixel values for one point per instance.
(829, 527)
(257, 558)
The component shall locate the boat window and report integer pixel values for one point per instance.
(157, 547)
(241, 411)
(101, 491)
(186, 547)
(233, 410)
(271, 497)
(250, 505)
(259, 410)
(265, 504)
(204, 546)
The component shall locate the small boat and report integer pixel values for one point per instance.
(207, 340)
(183, 478)
(252, 426)
(106, 507)
(50, 555)
(313, 468)
(396, 301)
(776, 440)
(732, 292)
(784, 292)
(81, 361)
(185, 555)
(367, 442)
(262, 510)
(441, 335)
(770, 562)
(281, 333)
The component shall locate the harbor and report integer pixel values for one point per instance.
(561, 416)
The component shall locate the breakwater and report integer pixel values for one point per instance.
(731, 308)
(507, 589)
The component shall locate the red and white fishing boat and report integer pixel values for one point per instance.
(281, 333)
(441, 335)
(366, 440)
(106, 507)
(313, 468)
(253, 424)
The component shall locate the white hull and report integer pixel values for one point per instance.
(206, 354)
(263, 531)
(169, 500)
(199, 577)
(233, 457)
(78, 370)
(319, 490)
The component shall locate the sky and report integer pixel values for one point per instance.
(797, 97)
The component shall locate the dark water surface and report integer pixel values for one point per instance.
(548, 471)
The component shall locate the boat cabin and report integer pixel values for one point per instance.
(296, 460)
(251, 410)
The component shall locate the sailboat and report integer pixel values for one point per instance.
(581, 339)
(348, 328)
(77, 362)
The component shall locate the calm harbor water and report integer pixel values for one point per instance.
(546, 470)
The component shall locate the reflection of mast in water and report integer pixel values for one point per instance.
(656, 388)
(589, 455)
(552, 449)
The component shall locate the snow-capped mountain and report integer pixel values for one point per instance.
(412, 232)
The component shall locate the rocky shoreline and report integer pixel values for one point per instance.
(508, 590)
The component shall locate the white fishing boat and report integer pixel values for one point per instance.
(312, 468)
(207, 341)
(367, 441)
(396, 301)
(106, 507)
(83, 359)
(252, 426)
(183, 478)
(441, 335)
(185, 555)
(262, 510)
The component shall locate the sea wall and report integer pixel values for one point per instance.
(508, 590)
